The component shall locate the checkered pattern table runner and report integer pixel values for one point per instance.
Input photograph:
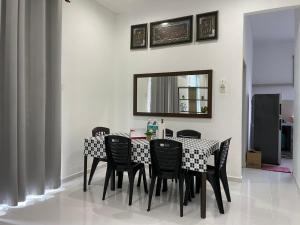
(195, 151)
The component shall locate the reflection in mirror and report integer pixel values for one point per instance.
(180, 94)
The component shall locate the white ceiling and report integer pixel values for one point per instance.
(119, 6)
(279, 25)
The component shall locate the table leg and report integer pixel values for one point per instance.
(84, 172)
(203, 195)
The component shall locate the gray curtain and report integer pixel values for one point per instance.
(30, 98)
(173, 103)
(164, 94)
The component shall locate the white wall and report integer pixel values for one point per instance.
(287, 92)
(97, 69)
(87, 56)
(273, 62)
(142, 100)
(297, 105)
(248, 58)
(224, 56)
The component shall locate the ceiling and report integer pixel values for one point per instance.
(119, 6)
(278, 25)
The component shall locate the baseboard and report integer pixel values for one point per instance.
(235, 179)
(297, 183)
(79, 174)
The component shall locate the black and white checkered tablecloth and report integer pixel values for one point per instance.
(195, 151)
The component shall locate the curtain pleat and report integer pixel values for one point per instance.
(30, 100)
(173, 106)
(21, 90)
(53, 93)
(164, 94)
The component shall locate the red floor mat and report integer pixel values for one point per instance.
(273, 168)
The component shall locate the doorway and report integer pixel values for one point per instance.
(268, 75)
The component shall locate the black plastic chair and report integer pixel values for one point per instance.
(194, 135)
(118, 151)
(215, 174)
(166, 159)
(182, 134)
(189, 134)
(169, 133)
(224, 148)
(97, 132)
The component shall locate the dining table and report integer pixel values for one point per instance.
(195, 156)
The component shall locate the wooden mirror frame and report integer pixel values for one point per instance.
(196, 72)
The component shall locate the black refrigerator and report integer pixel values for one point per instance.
(266, 127)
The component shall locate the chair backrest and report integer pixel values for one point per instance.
(169, 133)
(166, 157)
(224, 148)
(97, 131)
(118, 150)
(189, 134)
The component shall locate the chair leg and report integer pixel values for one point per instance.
(93, 169)
(113, 181)
(215, 183)
(158, 186)
(181, 196)
(224, 180)
(198, 182)
(145, 181)
(151, 192)
(165, 185)
(139, 179)
(109, 170)
(131, 183)
(120, 179)
(187, 189)
(150, 170)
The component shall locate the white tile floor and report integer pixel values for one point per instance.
(287, 163)
(262, 198)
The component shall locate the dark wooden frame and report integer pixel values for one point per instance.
(196, 72)
(191, 20)
(216, 15)
(145, 26)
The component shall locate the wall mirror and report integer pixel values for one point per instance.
(174, 94)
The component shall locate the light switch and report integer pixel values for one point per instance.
(222, 86)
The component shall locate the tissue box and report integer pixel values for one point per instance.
(138, 133)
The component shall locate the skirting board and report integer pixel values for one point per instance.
(271, 85)
(235, 179)
(297, 184)
(79, 174)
